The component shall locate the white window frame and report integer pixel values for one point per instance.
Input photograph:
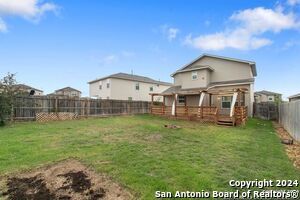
(270, 98)
(137, 86)
(226, 101)
(181, 99)
(151, 88)
(100, 85)
(194, 75)
(108, 83)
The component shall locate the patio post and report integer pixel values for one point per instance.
(239, 98)
(151, 103)
(175, 101)
(185, 107)
(234, 97)
(163, 106)
(202, 94)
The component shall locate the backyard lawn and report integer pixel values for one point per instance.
(144, 156)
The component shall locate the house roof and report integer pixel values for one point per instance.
(67, 88)
(132, 78)
(251, 63)
(178, 89)
(27, 87)
(294, 96)
(265, 92)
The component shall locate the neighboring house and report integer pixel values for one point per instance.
(27, 89)
(67, 91)
(122, 86)
(213, 81)
(294, 97)
(267, 96)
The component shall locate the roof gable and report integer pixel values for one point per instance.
(67, 88)
(294, 96)
(132, 77)
(190, 65)
(27, 87)
(265, 92)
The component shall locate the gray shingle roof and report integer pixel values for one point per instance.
(68, 88)
(132, 78)
(265, 92)
(251, 63)
(294, 96)
(178, 89)
(27, 87)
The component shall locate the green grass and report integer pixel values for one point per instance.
(142, 155)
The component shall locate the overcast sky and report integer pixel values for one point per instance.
(53, 44)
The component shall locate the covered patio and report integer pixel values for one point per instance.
(219, 106)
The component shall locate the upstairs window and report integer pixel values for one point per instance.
(137, 86)
(271, 98)
(100, 85)
(194, 75)
(151, 89)
(108, 83)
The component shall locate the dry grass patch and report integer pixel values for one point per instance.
(293, 150)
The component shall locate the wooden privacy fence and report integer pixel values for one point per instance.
(27, 108)
(289, 118)
(266, 110)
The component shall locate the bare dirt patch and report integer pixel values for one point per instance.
(66, 180)
(292, 150)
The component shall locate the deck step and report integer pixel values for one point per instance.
(226, 123)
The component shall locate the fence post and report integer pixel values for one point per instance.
(56, 105)
(88, 107)
(12, 113)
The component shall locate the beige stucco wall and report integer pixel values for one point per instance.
(264, 98)
(185, 79)
(225, 70)
(104, 93)
(71, 93)
(123, 89)
(38, 93)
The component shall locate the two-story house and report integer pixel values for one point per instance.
(295, 97)
(67, 92)
(212, 81)
(267, 96)
(28, 89)
(122, 86)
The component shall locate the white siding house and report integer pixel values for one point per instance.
(123, 86)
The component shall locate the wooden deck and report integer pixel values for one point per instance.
(204, 114)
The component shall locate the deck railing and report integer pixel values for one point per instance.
(203, 113)
(190, 112)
